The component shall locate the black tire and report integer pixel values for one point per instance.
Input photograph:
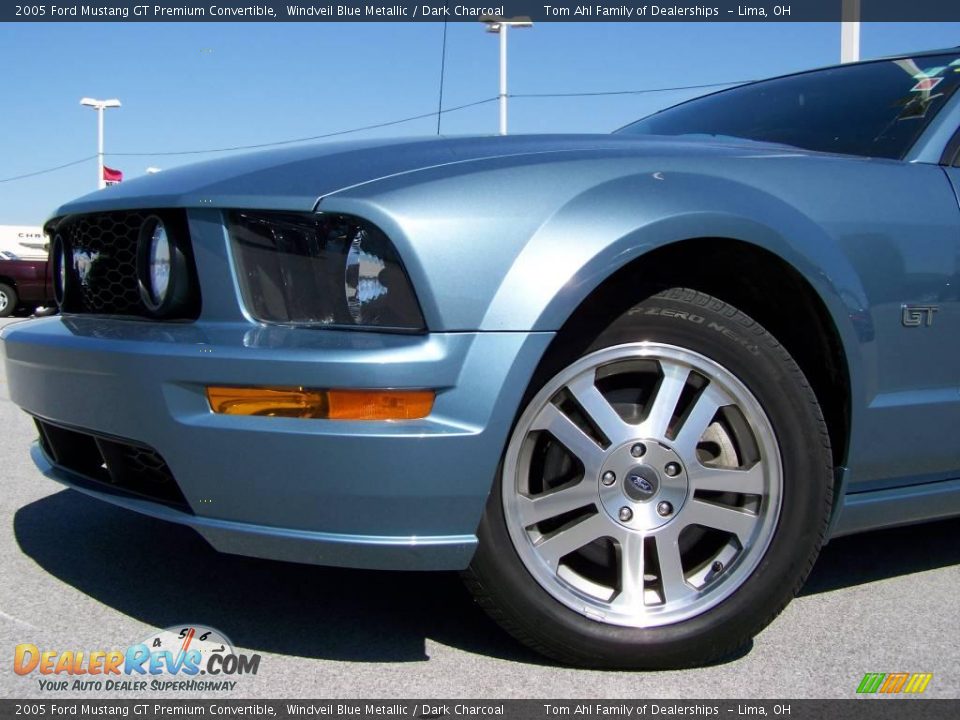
(506, 589)
(8, 300)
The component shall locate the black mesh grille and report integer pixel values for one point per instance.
(110, 240)
(102, 261)
(112, 464)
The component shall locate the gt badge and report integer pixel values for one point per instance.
(918, 315)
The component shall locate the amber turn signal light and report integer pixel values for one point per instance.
(298, 402)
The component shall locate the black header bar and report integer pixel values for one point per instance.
(475, 10)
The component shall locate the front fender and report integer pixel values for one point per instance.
(610, 225)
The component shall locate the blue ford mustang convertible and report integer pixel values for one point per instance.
(629, 384)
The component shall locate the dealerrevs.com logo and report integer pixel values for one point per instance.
(184, 658)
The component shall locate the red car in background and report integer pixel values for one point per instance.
(24, 285)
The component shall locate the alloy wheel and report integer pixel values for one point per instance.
(642, 485)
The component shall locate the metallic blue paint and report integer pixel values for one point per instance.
(404, 485)
(503, 238)
(376, 552)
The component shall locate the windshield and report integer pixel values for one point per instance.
(873, 109)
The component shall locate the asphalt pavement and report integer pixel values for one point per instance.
(77, 574)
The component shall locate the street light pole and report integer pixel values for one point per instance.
(101, 183)
(503, 79)
(850, 31)
(100, 106)
(499, 26)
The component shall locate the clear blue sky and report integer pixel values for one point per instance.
(201, 85)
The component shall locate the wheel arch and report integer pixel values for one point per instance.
(777, 295)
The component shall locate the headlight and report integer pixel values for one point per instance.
(319, 269)
(162, 269)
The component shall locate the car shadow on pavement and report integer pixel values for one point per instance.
(858, 559)
(164, 574)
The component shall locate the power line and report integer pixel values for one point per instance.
(438, 114)
(48, 170)
(259, 145)
(628, 92)
(307, 139)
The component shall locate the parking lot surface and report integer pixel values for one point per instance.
(82, 575)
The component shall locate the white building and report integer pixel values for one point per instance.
(24, 241)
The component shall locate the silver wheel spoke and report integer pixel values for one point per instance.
(553, 548)
(665, 400)
(672, 581)
(698, 419)
(630, 596)
(549, 505)
(727, 480)
(738, 522)
(571, 437)
(600, 411)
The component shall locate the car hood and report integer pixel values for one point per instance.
(295, 178)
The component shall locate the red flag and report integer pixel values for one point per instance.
(112, 176)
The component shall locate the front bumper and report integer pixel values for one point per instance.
(397, 495)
